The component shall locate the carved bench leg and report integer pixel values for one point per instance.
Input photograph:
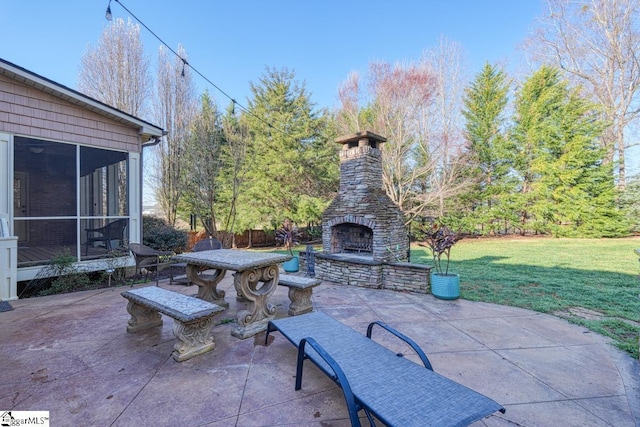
(142, 317)
(300, 301)
(194, 338)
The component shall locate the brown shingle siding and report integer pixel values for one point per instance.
(29, 111)
(36, 122)
(6, 97)
(24, 120)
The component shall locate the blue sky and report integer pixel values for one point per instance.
(231, 42)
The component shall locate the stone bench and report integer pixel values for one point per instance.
(300, 291)
(193, 318)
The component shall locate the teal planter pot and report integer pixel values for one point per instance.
(292, 266)
(445, 287)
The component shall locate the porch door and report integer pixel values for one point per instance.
(21, 206)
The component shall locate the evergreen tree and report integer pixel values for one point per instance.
(565, 188)
(235, 206)
(202, 165)
(538, 107)
(484, 110)
(630, 202)
(289, 154)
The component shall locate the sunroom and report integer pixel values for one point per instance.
(73, 180)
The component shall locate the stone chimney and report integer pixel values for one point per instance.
(361, 163)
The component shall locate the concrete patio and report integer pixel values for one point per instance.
(70, 355)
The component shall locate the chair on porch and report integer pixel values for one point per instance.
(147, 258)
(201, 245)
(105, 235)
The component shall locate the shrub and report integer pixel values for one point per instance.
(66, 277)
(159, 235)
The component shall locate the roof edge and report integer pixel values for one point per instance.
(147, 130)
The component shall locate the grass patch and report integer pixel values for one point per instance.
(555, 276)
(624, 334)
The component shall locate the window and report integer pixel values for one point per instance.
(60, 191)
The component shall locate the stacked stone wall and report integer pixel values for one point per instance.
(363, 275)
(401, 276)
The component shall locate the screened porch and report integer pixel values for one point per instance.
(63, 191)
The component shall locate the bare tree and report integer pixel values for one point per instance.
(116, 71)
(442, 146)
(417, 107)
(401, 94)
(598, 42)
(176, 107)
(348, 118)
(393, 104)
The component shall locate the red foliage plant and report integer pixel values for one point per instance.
(440, 239)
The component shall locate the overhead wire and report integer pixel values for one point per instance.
(186, 63)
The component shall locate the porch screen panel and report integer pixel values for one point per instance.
(51, 170)
(103, 201)
(103, 177)
(45, 194)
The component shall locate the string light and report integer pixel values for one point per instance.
(109, 17)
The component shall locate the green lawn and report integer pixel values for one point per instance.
(555, 276)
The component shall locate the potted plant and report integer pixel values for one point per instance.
(440, 239)
(289, 236)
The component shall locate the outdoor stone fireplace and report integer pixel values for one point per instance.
(364, 239)
(362, 219)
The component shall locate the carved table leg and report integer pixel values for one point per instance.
(194, 338)
(142, 317)
(236, 284)
(207, 284)
(300, 301)
(256, 286)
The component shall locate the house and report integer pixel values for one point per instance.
(68, 164)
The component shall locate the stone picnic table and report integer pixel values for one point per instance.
(255, 280)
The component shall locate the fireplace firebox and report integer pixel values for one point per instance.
(351, 238)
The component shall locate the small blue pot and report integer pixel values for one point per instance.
(293, 265)
(445, 287)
